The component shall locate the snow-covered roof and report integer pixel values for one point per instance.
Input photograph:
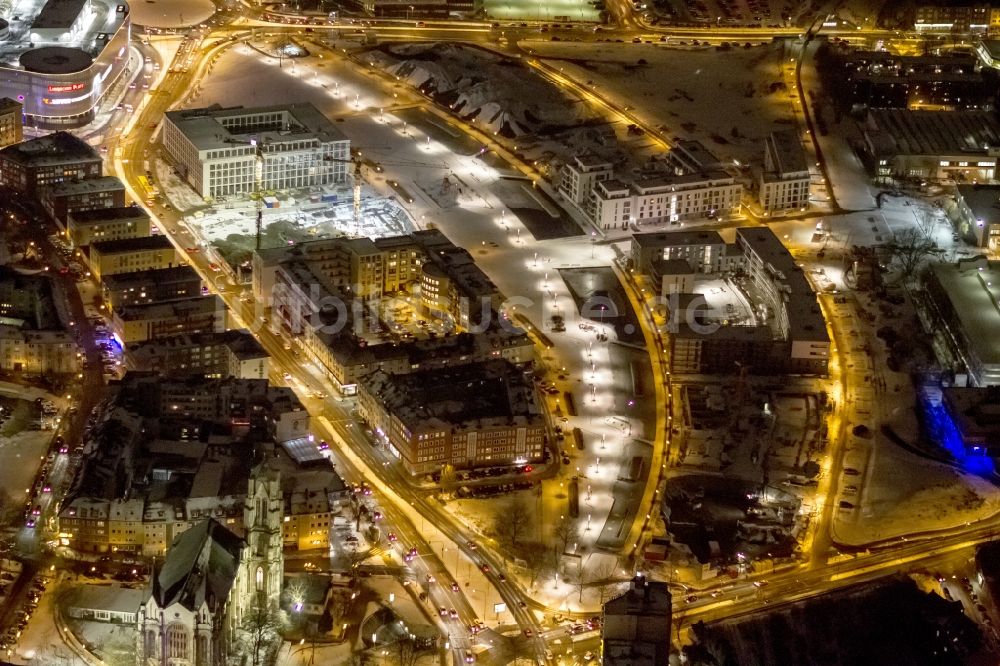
(200, 567)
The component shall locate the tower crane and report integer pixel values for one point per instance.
(355, 159)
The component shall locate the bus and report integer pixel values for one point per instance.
(148, 189)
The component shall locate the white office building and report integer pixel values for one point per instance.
(783, 185)
(215, 149)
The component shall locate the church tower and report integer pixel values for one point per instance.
(262, 520)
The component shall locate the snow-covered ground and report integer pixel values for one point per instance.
(696, 93)
(542, 10)
(904, 494)
(21, 452)
(170, 13)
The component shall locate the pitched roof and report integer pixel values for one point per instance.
(201, 566)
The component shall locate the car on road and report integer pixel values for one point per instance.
(469, 657)
(442, 611)
(485, 568)
(453, 613)
(471, 545)
(391, 537)
(844, 504)
(455, 587)
(502, 578)
(528, 633)
(588, 656)
(691, 598)
(850, 471)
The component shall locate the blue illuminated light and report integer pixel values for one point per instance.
(942, 431)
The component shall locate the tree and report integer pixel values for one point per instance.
(909, 248)
(539, 561)
(511, 522)
(448, 479)
(927, 221)
(260, 632)
(604, 579)
(406, 651)
(565, 532)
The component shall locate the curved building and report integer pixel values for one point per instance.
(60, 58)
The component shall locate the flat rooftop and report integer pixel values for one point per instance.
(216, 127)
(974, 296)
(983, 201)
(91, 185)
(102, 215)
(172, 309)
(903, 132)
(174, 274)
(677, 238)
(55, 148)
(58, 14)
(786, 151)
(466, 396)
(17, 51)
(125, 245)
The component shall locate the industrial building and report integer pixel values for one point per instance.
(960, 146)
(962, 314)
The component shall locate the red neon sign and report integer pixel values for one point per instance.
(70, 87)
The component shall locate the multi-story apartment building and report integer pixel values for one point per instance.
(296, 281)
(635, 627)
(470, 415)
(689, 183)
(84, 227)
(703, 250)
(215, 149)
(783, 184)
(791, 337)
(10, 122)
(155, 285)
(952, 18)
(578, 179)
(129, 255)
(216, 355)
(347, 361)
(48, 160)
(38, 352)
(152, 321)
(167, 453)
(61, 199)
(665, 198)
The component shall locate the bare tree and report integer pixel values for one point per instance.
(260, 632)
(448, 480)
(539, 561)
(909, 248)
(604, 579)
(511, 522)
(927, 221)
(407, 651)
(565, 532)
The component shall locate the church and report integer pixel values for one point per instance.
(210, 578)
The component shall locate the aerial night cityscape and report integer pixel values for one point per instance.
(499, 332)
